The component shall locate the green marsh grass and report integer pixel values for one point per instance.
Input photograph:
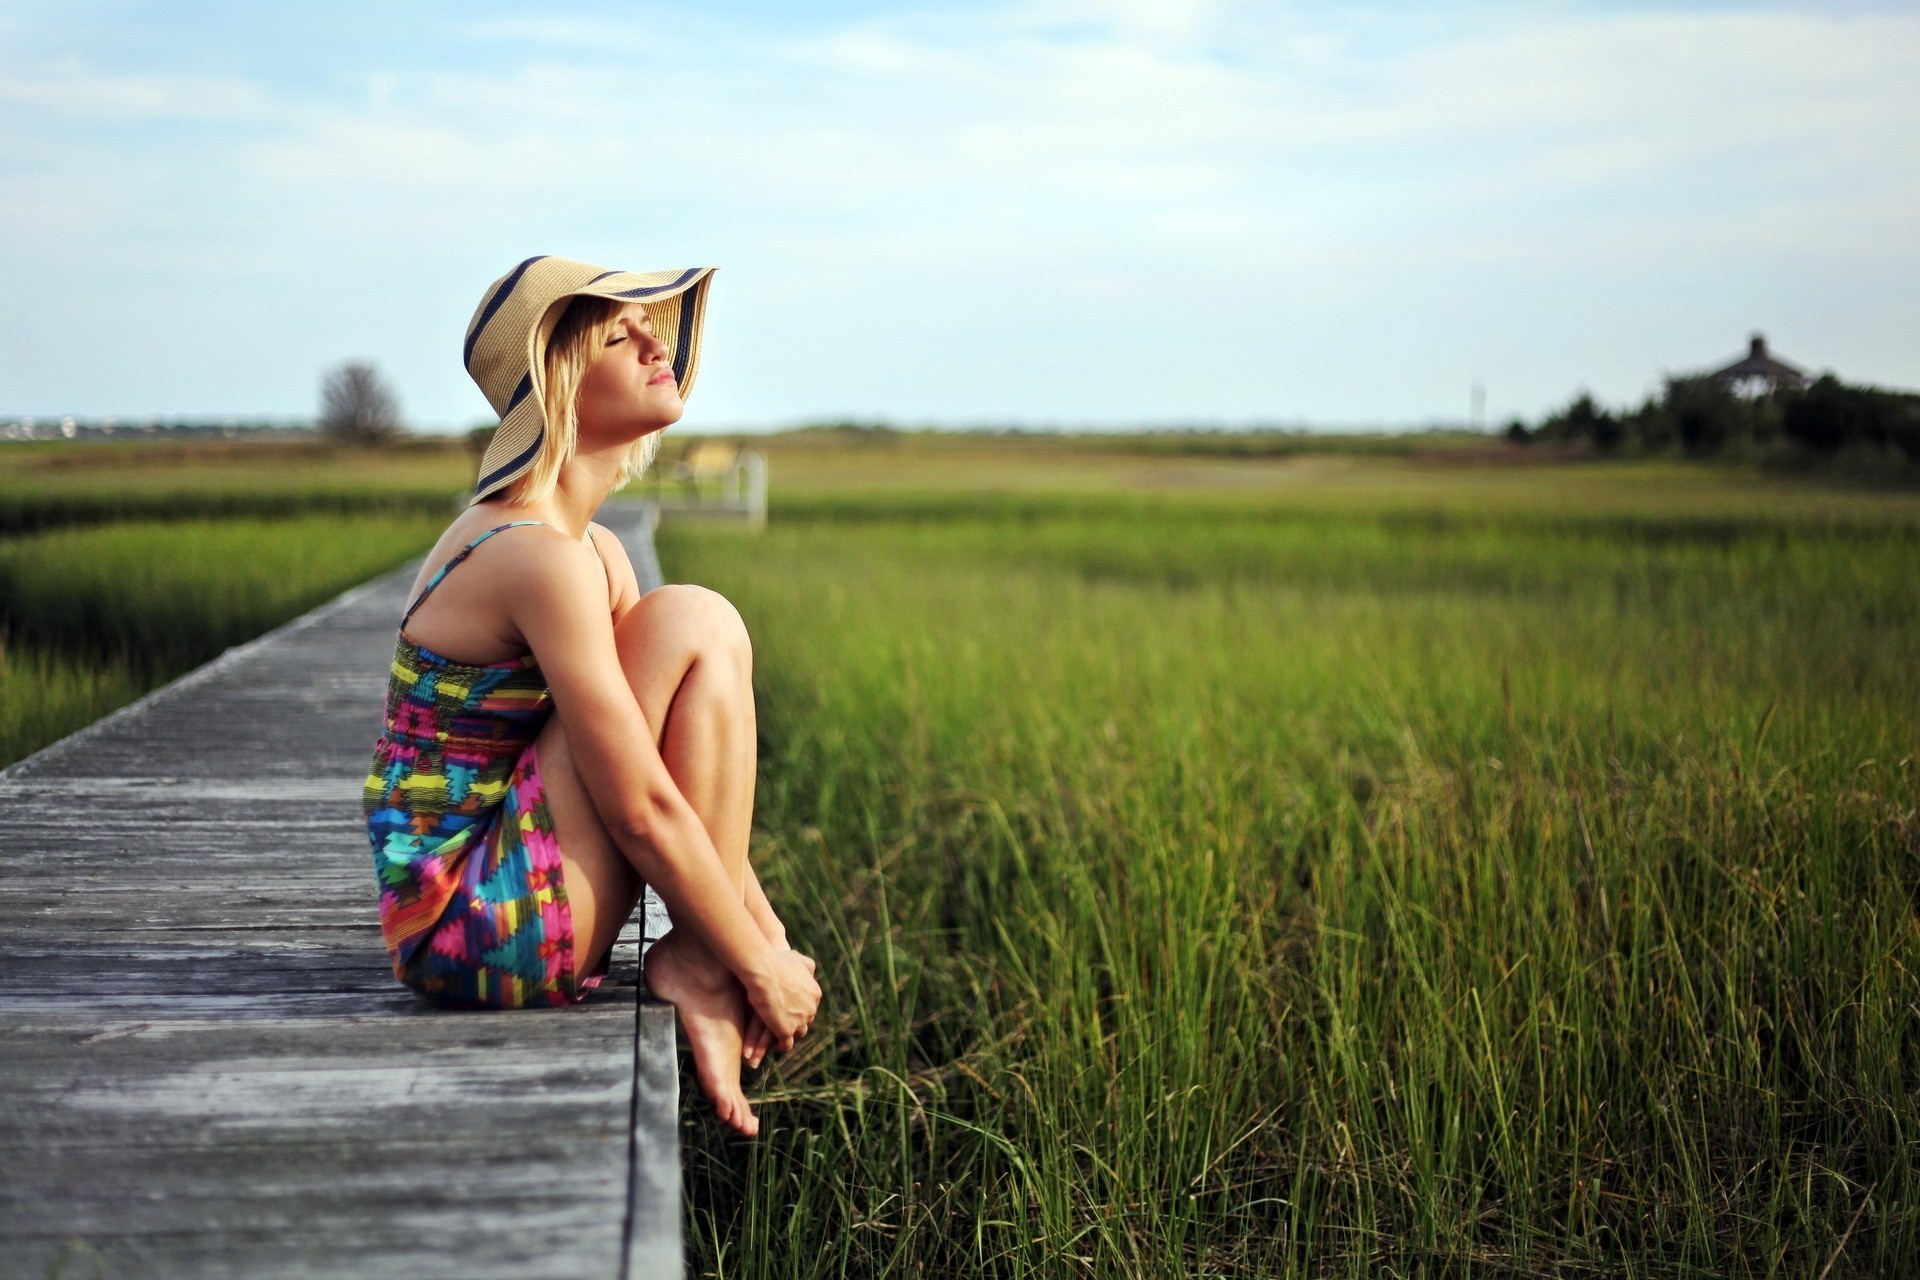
(93, 616)
(45, 486)
(1299, 887)
(45, 696)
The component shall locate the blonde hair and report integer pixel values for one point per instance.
(577, 338)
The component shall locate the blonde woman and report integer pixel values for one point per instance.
(555, 740)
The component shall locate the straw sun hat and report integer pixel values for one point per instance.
(507, 344)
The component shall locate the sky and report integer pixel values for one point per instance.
(1038, 212)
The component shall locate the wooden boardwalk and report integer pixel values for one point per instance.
(206, 1067)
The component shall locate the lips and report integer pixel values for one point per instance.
(665, 375)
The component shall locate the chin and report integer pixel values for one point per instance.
(644, 420)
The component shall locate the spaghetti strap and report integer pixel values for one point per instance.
(464, 553)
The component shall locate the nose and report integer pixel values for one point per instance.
(652, 349)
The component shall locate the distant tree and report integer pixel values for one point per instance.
(1584, 419)
(855, 432)
(1823, 417)
(1650, 427)
(1903, 428)
(1830, 415)
(357, 406)
(1599, 426)
(1706, 416)
(1517, 432)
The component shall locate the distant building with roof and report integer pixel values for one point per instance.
(1759, 372)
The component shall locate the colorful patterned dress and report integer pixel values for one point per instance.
(472, 902)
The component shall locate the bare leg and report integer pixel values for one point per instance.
(687, 657)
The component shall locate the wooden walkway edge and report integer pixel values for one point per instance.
(206, 1068)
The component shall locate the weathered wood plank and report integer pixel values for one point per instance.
(653, 1245)
(206, 1068)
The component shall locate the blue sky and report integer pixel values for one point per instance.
(1341, 214)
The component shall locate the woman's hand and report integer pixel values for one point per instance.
(758, 1039)
(786, 997)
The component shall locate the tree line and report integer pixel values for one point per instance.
(1702, 417)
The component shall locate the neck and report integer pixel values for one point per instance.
(582, 485)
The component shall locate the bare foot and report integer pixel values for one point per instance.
(713, 1012)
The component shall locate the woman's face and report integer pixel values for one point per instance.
(629, 389)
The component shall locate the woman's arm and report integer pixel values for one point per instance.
(558, 600)
(762, 911)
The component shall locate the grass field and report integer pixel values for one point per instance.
(1321, 866)
(51, 485)
(1366, 872)
(92, 616)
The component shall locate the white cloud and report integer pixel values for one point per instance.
(71, 90)
(1088, 151)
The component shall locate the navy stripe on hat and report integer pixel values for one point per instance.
(649, 290)
(520, 392)
(493, 305)
(508, 468)
(683, 340)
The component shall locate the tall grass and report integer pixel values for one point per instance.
(1257, 894)
(46, 486)
(92, 617)
(45, 696)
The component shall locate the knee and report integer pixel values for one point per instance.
(701, 621)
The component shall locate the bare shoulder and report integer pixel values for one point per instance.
(554, 590)
(535, 552)
(491, 540)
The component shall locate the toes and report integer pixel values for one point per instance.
(736, 1114)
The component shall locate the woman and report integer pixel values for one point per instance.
(555, 740)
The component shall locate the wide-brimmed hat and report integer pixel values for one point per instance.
(507, 344)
